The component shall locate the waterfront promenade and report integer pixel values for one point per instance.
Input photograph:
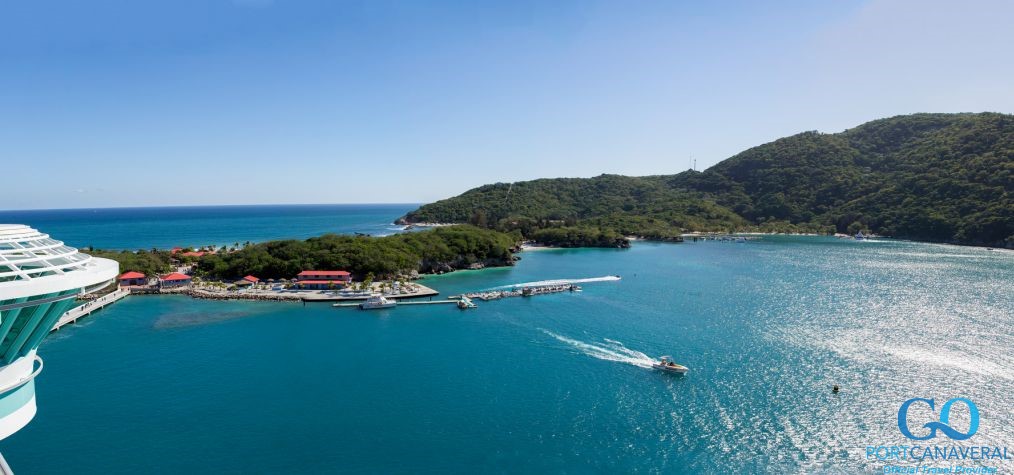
(87, 308)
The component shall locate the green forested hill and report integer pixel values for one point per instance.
(934, 177)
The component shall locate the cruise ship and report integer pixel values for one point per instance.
(39, 278)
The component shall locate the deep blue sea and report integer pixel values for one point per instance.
(195, 226)
(548, 384)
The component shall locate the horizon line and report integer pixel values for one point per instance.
(201, 206)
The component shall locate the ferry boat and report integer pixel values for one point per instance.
(377, 302)
(665, 364)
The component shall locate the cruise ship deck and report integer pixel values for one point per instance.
(39, 279)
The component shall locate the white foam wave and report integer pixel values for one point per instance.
(606, 278)
(611, 350)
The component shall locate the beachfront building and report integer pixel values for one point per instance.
(132, 278)
(322, 279)
(246, 281)
(39, 278)
(174, 280)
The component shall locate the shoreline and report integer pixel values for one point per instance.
(197, 292)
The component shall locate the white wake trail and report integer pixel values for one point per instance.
(606, 278)
(612, 350)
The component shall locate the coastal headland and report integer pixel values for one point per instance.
(926, 177)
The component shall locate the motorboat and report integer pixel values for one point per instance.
(377, 302)
(667, 365)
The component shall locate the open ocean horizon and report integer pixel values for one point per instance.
(165, 227)
(557, 383)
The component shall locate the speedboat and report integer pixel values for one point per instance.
(666, 364)
(377, 302)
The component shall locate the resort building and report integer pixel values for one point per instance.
(335, 275)
(174, 280)
(246, 281)
(322, 279)
(39, 278)
(133, 278)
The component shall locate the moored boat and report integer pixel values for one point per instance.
(377, 302)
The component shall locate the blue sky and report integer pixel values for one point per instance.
(137, 103)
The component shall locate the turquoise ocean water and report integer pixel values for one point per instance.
(550, 384)
(194, 226)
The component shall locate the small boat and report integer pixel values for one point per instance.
(860, 236)
(377, 302)
(666, 364)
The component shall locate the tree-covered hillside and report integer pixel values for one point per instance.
(933, 177)
(600, 205)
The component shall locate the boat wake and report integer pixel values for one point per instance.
(610, 350)
(606, 278)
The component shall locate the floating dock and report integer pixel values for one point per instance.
(75, 313)
(461, 302)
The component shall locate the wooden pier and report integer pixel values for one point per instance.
(75, 313)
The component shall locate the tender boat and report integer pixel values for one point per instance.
(666, 364)
(377, 302)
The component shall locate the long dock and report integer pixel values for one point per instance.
(400, 303)
(526, 291)
(75, 313)
(462, 302)
(421, 292)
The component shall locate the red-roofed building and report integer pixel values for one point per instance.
(175, 250)
(323, 279)
(132, 278)
(320, 284)
(194, 254)
(327, 275)
(251, 279)
(174, 280)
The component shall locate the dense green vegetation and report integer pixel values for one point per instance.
(150, 263)
(440, 249)
(603, 205)
(572, 236)
(932, 177)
